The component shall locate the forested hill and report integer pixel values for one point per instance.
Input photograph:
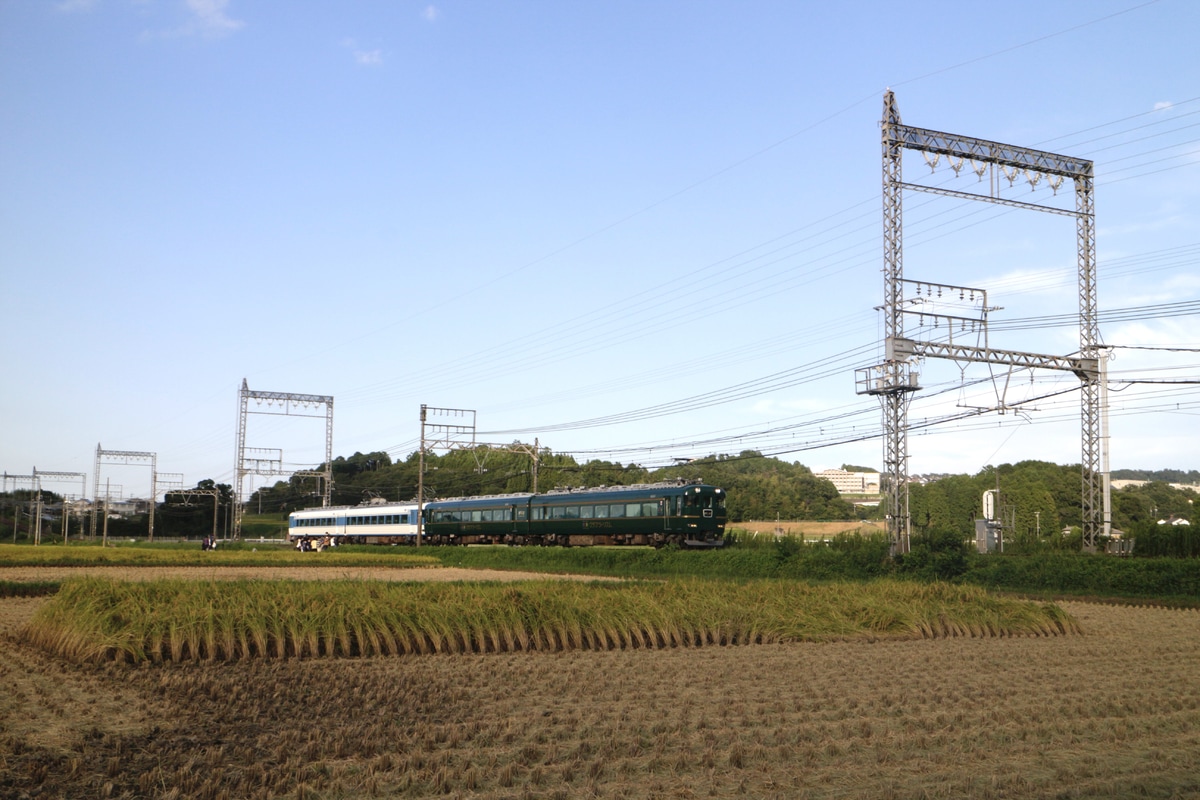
(758, 487)
(1040, 497)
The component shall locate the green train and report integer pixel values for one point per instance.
(687, 514)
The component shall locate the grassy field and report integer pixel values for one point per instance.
(1111, 712)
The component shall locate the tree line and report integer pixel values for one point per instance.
(1039, 502)
(1041, 506)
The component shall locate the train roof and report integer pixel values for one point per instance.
(560, 495)
(367, 507)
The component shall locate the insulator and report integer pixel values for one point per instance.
(1033, 177)
(932, 162)
(956, 165)
(1055, 181)
(1011, 175)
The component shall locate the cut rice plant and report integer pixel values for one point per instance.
(98, 619)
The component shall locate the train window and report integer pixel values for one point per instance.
(650, 510)
(485, 515)
(601, 512)
(557, 512)
(633, 509)
(571, 512)
(504, 514)
(521, 513)
(616, 510)
(587, 512)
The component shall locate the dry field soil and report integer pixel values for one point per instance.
(1111, 712)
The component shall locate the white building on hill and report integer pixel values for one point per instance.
(852, 482)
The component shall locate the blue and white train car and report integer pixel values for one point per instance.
(388, 523)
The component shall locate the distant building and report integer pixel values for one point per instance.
(852, 482)
(1125, 483)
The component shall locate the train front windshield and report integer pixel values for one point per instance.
(704, 503)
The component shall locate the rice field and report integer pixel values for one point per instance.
(1111, 711)
(98, 619)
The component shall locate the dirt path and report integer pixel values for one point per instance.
(29, 574)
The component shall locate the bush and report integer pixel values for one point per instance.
(937, 555)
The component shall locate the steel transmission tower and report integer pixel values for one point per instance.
(895, 380)
(248, 460)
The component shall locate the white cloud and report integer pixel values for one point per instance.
(366, 58)
(430, 13)
(1163, 105)
(72, 6)
(209, 17)
(369, 58)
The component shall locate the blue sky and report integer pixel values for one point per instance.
(636, 231)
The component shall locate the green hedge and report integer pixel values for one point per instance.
(1087, 574)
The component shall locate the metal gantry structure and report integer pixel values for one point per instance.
(445, 428)
(38, 476)
(187, 494)
(250, 460)
(454, 429)
(896, 379)
(125, 458)
(16, 480)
